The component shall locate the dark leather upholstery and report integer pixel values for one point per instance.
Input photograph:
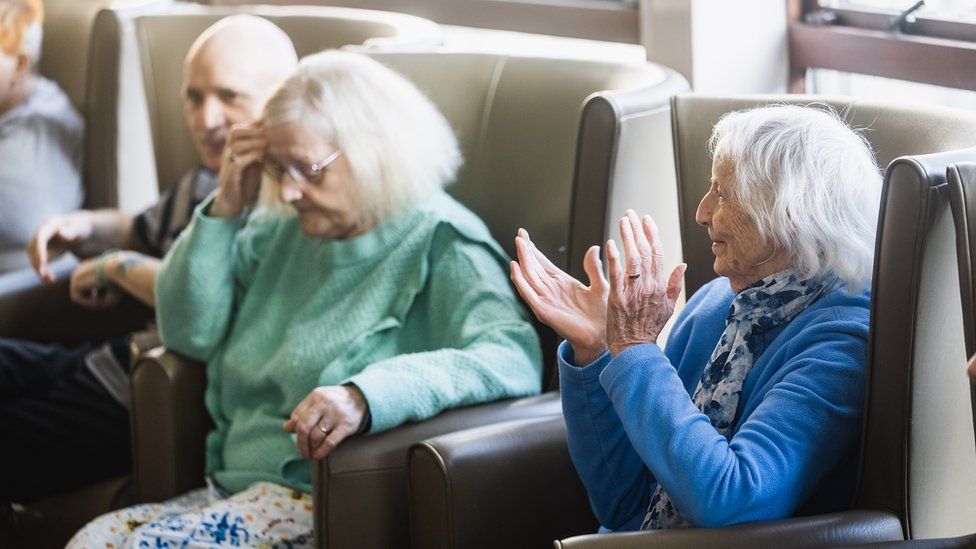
(941, 543)
(30, 309)
(360, 489)
(463, 485)
(919, 458)
(169, 425)
(833, 530)
(962, 196)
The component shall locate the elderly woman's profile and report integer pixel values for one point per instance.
(356, 296)
(753, 408)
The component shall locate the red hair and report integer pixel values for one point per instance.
(16, 16)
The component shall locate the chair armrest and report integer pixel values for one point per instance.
(361, 489)
(831, 530)
(506, 485)
(33, 310)
(169, 425)
(941, 543)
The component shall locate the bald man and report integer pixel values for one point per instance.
(64, 418)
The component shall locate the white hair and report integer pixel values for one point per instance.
(398, 145)
(31, 43)
(811, 184)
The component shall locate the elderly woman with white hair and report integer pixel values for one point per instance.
(355, 297)
(753, 409)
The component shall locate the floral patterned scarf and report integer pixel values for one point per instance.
(763, 306)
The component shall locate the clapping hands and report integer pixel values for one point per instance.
(631, 307)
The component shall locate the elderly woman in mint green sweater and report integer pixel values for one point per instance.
(355, 297)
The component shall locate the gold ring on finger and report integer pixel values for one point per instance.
(325, 428)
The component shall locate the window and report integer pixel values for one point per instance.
(935, 45)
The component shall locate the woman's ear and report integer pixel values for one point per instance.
(24, 63)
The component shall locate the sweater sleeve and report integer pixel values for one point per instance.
(39, 179)
(480, 344)
(195, 285)
(616, 480)
(781, 452)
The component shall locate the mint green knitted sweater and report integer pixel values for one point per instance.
(418, 313)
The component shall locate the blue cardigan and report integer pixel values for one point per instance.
(631, 422)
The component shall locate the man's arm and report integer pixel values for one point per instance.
(86, 233)
(134, 273)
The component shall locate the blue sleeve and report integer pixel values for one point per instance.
(615, 478)
(801, 430)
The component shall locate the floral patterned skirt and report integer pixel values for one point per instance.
(266, 515)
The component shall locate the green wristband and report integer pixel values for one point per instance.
(100, 279)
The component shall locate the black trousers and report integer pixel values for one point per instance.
(59, 428)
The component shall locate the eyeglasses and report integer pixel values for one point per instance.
(311, 174)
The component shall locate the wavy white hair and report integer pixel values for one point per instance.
(398, 145)
(810, 182)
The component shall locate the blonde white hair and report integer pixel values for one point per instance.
(398, 145)
(810, 182)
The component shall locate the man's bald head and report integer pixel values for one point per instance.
(232, 68)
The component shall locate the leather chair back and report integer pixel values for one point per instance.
(962, 197)
(64, 49)
(892, 129)
(85, 63)
(529, 127)
(919, 455)
(165, 38)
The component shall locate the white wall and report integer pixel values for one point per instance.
(720, 46)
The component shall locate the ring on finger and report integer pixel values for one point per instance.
(634, 276)
(325, 428)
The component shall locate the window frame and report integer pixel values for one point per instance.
(859, 40)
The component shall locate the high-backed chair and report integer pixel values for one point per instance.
(913, 435)
(528, 128)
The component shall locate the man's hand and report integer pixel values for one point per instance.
(88, 292)
(325, 418)
(60, 234)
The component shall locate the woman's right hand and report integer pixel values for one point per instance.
(240, 170)
(576, 312)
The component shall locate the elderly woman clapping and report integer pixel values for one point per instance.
(356, 297)
(754, 406)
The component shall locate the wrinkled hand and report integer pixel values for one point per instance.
(337, 410)
(86, 291)
(240, 169)
(639, 307)
(60, 234)
(576, 312)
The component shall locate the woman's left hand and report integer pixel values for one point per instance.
(325, 418)
(642, 298)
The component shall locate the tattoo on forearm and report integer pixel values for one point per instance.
(129, 262)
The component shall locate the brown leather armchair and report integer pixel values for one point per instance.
(912, 438)
(528, 128)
